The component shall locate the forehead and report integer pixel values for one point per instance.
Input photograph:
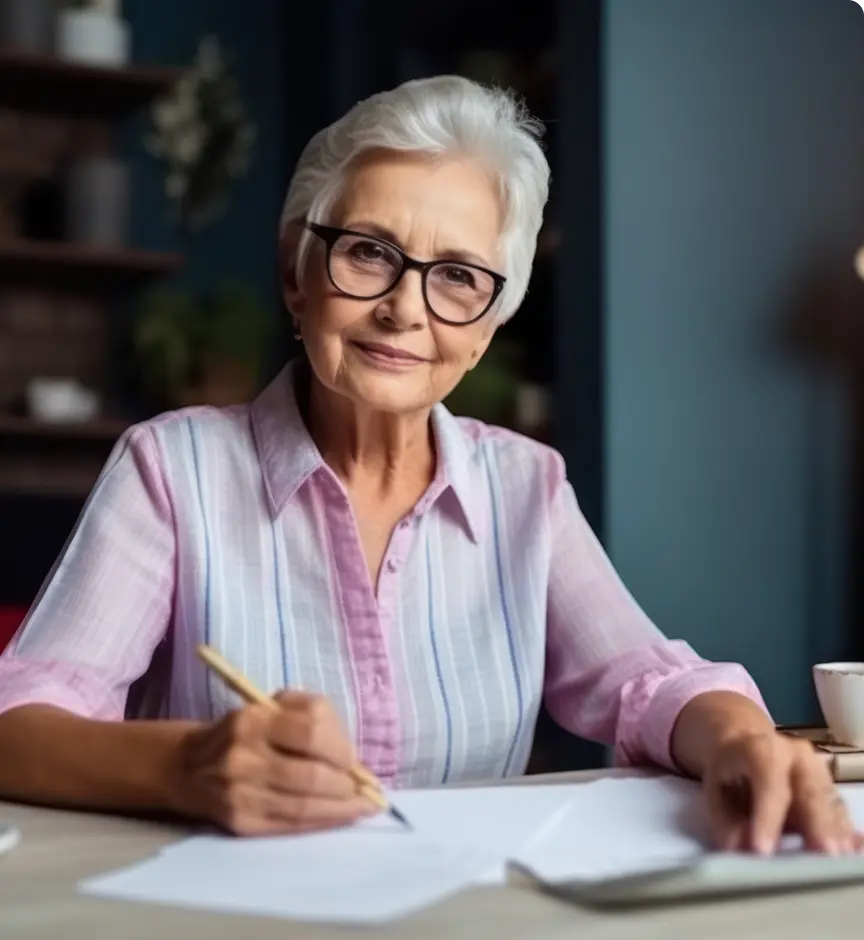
(451, 203)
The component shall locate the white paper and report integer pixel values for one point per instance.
(503, 820)
(378, 871)
(345, 877)
(616, 827)
(371, 873)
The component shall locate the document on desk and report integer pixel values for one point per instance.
(368, 874)
(377, 871)
(617, 827)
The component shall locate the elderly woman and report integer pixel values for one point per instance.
(409, 585)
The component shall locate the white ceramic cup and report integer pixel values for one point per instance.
(840, 689)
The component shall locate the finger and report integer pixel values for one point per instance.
(819, 812)
(305, 777)
(313, 732)
(295, 698)
(257, 810)
(823, 821)
(771, 795)
(317, 812)
(729, 818)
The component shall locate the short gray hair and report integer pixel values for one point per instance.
(436, 116)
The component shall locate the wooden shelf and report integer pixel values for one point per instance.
(100, 431)
(39, 458)
(48, 85)
(67, 265)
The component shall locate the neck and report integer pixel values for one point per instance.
(371, 450)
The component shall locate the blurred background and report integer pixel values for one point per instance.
(692, 342)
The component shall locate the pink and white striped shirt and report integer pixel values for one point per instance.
(226, 526)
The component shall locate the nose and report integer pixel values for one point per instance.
(404, 307)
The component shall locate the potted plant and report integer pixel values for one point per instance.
(196, 349)
(94, 32)
(201, 134)
(489, 391)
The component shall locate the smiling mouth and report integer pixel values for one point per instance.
(385, 353)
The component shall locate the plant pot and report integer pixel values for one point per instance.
(92, 36)
(27, 24)
(222, 383)
(96, 202)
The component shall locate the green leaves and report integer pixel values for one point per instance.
(177, 333)
(201, 134)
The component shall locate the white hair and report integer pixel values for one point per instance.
(436, 116)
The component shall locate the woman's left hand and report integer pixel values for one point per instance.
(762, 784)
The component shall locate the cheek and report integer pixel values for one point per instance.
(459, 349)
(329, 314)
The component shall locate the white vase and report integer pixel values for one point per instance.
(92, 36)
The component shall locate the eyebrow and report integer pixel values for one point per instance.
(449, 254)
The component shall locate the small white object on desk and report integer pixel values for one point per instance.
(840, 689)
(9, 838)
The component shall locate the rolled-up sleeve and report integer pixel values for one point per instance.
(107, 602)
(611, 675)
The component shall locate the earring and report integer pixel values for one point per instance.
(298, 335)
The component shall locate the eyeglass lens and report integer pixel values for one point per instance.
(365, 267)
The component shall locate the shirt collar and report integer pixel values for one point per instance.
(289, 456)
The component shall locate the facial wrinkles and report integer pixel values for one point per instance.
(428, 217)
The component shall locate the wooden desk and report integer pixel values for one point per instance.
(38, 900)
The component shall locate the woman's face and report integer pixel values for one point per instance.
(432, 210)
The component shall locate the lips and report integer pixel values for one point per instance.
(392, 353)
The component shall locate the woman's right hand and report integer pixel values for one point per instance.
(265, 771)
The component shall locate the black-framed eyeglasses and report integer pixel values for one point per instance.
(366, 267)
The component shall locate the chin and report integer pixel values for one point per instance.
(390, 394)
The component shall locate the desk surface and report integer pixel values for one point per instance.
(38, 900)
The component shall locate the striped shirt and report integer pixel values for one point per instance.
(225, 526)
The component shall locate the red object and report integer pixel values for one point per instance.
(10, 619)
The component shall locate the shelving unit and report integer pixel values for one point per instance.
(54, 459)
(100, 430)
(58, 299)
(71, 266)
(40, 84)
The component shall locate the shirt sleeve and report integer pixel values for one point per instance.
(611, 675)
(107, 602)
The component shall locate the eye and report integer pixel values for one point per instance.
(460, 277)
(370, 251)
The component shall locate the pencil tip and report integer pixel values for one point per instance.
(397, 815)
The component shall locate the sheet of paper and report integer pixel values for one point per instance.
(503, 820)
(378, 871)
(346, 877)
(371, 873)
(618, 826)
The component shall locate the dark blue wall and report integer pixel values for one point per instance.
(256, 33)
(734, 159)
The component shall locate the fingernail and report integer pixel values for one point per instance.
(763, 846)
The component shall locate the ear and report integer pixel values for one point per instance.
(292, 294)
